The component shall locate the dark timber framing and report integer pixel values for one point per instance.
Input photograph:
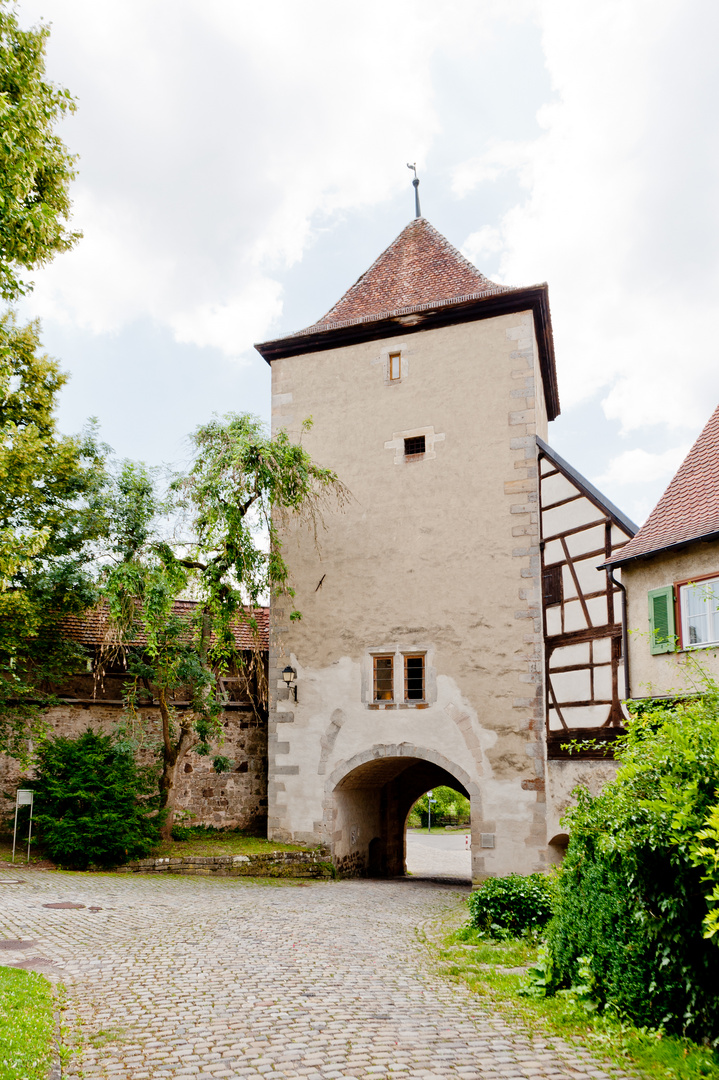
(605, 634)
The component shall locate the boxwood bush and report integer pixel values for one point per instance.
(510, 906)
(94, 805)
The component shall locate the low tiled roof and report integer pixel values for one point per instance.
(689, 508)
(91, 628)
(419, 267)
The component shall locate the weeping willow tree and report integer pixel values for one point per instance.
(225, 552)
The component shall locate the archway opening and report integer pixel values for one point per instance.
(370, 807)
(438, 838)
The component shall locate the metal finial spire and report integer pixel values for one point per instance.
(415, 185)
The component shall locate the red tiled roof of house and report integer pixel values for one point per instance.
(92, 627)
(689, 508)
(419, 267)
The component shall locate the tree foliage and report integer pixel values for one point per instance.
(94, 805)
(52, 511)
(446, 802)
(639, 887)
(35, 165)
(225, 553)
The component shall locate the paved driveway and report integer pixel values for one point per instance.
(439, 855)
(184, 977)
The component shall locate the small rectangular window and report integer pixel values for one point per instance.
(414, 446)
(395, 366)
(699, 604)
(414, 678)
(383, 678)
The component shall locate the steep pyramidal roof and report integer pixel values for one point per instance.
(689, 508)
(419, 267)
(421, 282)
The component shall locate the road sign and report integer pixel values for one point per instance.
(23, 797)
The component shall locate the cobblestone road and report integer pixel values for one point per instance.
(184, 977)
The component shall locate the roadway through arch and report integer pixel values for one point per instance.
(368, 799)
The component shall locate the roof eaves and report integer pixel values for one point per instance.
(589, 489)
(676, 545)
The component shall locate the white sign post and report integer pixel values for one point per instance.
(23, 797)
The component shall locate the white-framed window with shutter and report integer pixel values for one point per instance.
(699, 610)
(661, 620)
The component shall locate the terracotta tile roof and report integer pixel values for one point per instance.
(91, 628)
(420, 267)
(689, 508)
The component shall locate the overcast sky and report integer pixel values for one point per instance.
(241, 164)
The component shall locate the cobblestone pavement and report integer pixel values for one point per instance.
(185, 977)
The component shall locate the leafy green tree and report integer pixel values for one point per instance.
(446, 803)
(52, 513)
(35, 165)
(225, 553)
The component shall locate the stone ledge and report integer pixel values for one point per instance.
(314, 864)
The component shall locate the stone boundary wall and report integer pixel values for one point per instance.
(231, 800)
(276, 864)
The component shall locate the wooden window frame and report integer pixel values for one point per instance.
(375, 681)
(414, 656)
(679, 615)
(398, 357)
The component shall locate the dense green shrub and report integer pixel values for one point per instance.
(637, 892)
(510, 906)
(92, 802)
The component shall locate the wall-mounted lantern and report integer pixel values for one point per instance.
(289, 675)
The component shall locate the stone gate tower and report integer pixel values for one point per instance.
(419, 652)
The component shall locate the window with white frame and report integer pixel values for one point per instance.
(699, 606)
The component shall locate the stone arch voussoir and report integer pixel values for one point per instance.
(379, 751)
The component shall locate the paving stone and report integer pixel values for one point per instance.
(185, 977)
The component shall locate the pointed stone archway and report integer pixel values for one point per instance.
(369, 796)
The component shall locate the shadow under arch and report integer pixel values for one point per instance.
(369, 796)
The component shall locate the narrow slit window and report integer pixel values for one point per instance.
(383, 678)
(395, 366)
(414, 678)
(414, 446)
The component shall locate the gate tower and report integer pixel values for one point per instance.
(419, 657)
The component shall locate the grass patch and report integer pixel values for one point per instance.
(209, 842)
(477, 962)
(26, 1025)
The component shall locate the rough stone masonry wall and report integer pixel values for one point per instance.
(236, 799)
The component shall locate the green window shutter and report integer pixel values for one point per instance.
(661, 620)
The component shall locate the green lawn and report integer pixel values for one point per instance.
(206, 843)
(222, 843)
(26, 1025)
(483, 966)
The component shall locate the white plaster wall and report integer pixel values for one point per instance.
(440, 553)
(665, 673)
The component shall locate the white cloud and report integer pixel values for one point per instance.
(619, 215)
(639, 466)
(236, 129)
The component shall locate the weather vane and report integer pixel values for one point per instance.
(415, 185)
